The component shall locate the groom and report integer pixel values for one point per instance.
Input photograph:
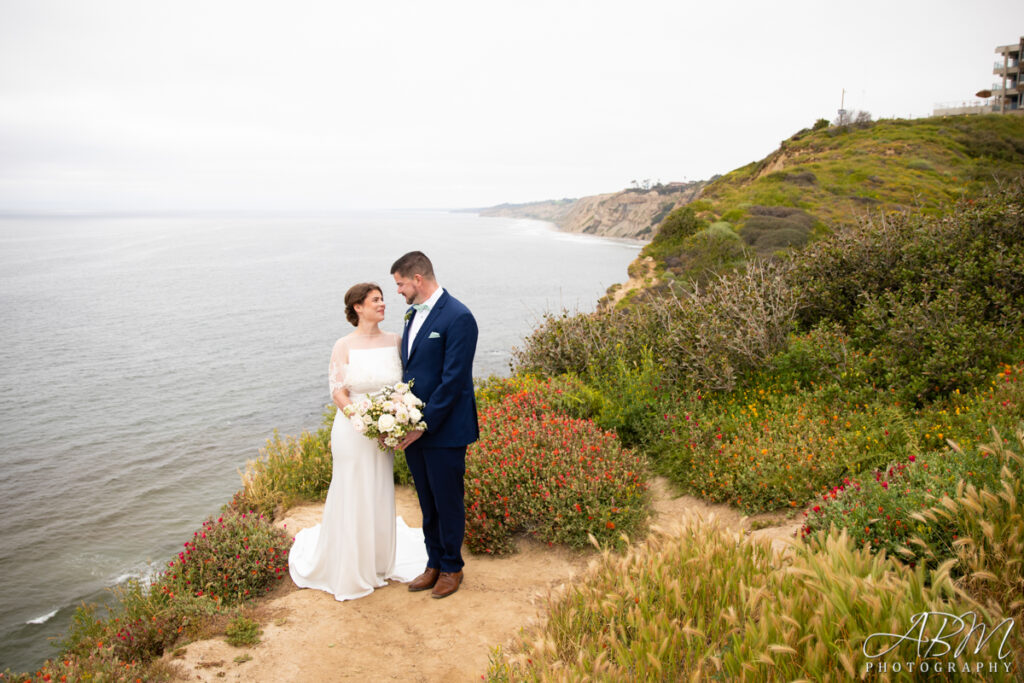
(438, 343)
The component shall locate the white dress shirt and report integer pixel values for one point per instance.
(420, 316)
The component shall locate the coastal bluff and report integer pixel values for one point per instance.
(633, 213)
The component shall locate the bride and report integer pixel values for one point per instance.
(359, 543)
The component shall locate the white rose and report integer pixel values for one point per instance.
(396, 397)
(402, 415)
(364, 406)
(402, 388)
(358, 423)
(415, 415)
(411, 400)
(385, 423)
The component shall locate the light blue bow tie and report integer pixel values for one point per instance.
(421, 307)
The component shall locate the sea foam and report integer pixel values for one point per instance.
(43, 619)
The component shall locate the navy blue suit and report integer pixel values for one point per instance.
(440, 366)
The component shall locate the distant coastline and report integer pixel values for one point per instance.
(632, 214)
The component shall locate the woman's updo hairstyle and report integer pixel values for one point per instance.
(357, 294)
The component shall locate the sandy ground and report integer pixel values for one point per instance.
(393, 634)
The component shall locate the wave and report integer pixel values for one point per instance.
(43, 619)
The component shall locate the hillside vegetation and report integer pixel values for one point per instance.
(864, 381)
(822, 180)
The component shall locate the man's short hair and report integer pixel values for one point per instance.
(413, 263)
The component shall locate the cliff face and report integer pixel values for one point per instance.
(633, 213)
(630, 213)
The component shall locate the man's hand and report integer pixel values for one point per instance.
(409, 438)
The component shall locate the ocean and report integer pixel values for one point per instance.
(145, 359)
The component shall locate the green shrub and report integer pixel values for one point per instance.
(558, 478)
(734, 325)
(879, 510)
(708, 253)
(702, 339)
(990, 138)
(242, 631)
(772, 227)
(936, 302)
(678, 225)
(110, 669)
(228, 561)
(769, 447)
(568, 343)
(734, 215)
(822, 355)
(291, 470)
(629, 399)
(773, 240)
(233, 557)
(925, 347)
(288, 471)
(700, 205)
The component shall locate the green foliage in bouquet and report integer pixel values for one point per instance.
(388, 414)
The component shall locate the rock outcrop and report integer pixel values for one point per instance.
(632, 213)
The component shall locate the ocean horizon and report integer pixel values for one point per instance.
(147, 357)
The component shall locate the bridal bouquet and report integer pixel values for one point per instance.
(392, 412)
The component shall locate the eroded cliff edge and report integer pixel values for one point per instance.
(633, 213)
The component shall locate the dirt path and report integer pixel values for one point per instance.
(393, 634)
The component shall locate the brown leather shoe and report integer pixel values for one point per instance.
(425, 580)
(447, 583)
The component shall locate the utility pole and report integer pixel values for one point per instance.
(842, 111)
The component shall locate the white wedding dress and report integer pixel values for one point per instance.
(359, 543)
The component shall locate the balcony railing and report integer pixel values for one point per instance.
(964, 104)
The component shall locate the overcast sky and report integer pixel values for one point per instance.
(331, 104)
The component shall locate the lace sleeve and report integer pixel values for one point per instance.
(339, 366)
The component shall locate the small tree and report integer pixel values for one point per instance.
(678, 225)
(847, 117)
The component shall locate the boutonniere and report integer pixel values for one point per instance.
(408, 315)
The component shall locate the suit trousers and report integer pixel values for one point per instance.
(439, 476)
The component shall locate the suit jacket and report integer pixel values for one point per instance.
(440, 365)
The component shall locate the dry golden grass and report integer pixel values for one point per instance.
(704, 603)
